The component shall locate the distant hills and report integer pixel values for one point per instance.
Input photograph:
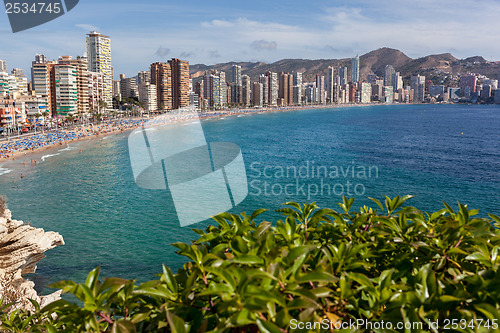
(436, 67)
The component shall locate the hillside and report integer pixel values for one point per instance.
(374, 62)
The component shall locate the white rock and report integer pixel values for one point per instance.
(21, 248)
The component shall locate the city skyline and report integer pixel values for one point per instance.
(150, 31)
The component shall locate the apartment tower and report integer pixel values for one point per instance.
(99, 61)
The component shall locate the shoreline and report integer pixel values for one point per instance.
(90, 132)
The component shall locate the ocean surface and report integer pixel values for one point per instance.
(86, 191)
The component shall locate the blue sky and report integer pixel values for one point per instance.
(214, 31)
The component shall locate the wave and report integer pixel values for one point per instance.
(67, 148)
(4, 171)
(47, 156)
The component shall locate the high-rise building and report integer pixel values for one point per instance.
(143, 77)
(96, 91)
(180, 83)
(66, 89)
(257, 94)
(223, 89)
(320, 86)
(236, 85)
(397, 81)
(211, 90)
(285, 90)
(128, 87)
(3, 66)
(43, 84)
(265, 89)
(4, 84)
(388, 94)
(468, 85)
(389, 71)
(272, 88)
(147, 96)
(330, 84)
(355, 69)
(39, 59)
(116, 90)
(161, 76)
(99, 61)
(343, 76)
(418, 85)
(82, 81)
(237, 79)
(366, 92)
(297, 88)
(246, 89)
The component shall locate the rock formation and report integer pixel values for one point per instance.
(21, 248)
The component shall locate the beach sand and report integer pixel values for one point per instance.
(95, 131)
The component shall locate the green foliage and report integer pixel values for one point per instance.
(393, 264)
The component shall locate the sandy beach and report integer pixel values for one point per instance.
(21, 147)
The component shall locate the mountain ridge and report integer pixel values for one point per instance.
(436, 66)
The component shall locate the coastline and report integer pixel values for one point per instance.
(95, 131)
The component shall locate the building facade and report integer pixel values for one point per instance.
(99, 61)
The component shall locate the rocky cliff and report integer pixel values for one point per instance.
(21, 248)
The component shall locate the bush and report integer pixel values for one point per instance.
(393, 265)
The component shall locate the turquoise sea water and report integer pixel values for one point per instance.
(87, 193)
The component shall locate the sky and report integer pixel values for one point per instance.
(210, 32)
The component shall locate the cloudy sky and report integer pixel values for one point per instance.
(216, 31)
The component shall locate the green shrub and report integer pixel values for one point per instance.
(393, 265)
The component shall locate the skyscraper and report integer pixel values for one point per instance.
(397, 81)
(236, 85)
(3, 66)
(143, 77)
(257, 94)
(272, 88)
(161, 76)
(264, 80)
(297, 88)
(99, 60)
(355, 69)
(147, 96)
(285, 90)
(66, 89)
(82, 81)
(180, 83)
(389, 71)
(42, 83)
(468, 85)
(330, 83)
(246, 88)
(39, 59)
(211, 90)
(418, 86)
(237, 79)
(320, 86)
(343, 75)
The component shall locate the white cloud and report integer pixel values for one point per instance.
(263, 45)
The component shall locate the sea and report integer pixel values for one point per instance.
(86, 190)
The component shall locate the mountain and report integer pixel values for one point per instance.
(437, 67)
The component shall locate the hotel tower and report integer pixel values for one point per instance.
(99, 61)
